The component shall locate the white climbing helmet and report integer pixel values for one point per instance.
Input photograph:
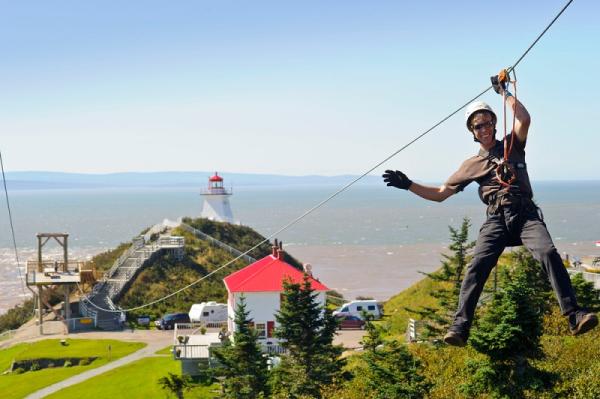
(476, 107)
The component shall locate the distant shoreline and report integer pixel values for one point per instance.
(378, 271)
(40, 180)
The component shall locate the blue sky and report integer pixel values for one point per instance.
(324, 87)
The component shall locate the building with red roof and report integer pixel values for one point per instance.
(261, 283)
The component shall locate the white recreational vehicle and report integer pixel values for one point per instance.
(208, 312)
(356, 308)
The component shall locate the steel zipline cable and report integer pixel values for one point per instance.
(12, 229)
(344, 188)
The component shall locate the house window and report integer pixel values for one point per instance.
(261, 330)
(205, 314)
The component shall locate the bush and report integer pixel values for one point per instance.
(51, 365)
(84, 362)
(34, 366)
(19, 370)
(67, 363)
(17, 316)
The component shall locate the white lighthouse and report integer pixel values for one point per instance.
(216, 201)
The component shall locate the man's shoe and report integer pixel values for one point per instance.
(582, 321)
(455, 339)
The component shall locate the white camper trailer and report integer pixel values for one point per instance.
(356, 308)
(208, 312)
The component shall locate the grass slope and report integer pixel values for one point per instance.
(573, 359)
(167, 274)
(136, 380)
(20, 385)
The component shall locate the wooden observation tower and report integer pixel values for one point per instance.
(52, 275)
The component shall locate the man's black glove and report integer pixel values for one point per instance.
(396, 179)
(500, 81)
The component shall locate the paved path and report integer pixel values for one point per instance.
(156, 340)
(349, 339)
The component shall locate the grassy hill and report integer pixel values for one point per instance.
(167, 274)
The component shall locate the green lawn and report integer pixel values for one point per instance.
(20, 385)
(165, 351)
(135, 380)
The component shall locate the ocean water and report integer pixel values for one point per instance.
(370, 240)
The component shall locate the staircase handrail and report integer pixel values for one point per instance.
(119, 262)
(145, 252)
(111, 304)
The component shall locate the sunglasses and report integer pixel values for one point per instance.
(480, 126)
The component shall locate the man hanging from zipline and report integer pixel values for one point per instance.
(512, 216)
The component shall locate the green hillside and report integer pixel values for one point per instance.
(167, 274)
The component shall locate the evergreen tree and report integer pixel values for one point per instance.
(307, 330)
(392, 371)
(175, 384)
(373, 338)
(537, 279)
(436, 319)
(242, 362)
(587, 296)
(509, 334)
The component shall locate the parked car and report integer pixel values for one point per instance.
(359, 307)
(167, 322)
(348, 321)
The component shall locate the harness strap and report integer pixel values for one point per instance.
(505, 173)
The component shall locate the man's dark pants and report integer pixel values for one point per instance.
(504, 226)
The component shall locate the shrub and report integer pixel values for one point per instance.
(19, 370)
(67, 363)
(84, 362)
(51, 365)
(34, 366)
(16, 316)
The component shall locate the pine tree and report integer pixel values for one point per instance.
(242, 362)
(307, 331)
(509, 334)
(392, 371)
(436, 319)
(175, 384)
(587, 296)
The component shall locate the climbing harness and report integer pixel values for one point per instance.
(505, 171)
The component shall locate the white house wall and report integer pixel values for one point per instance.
(262, 306)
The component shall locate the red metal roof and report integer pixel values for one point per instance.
(216, 177)
(267, 274)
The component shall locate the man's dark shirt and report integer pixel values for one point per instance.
(482, 169)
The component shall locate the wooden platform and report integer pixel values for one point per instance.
(51, 278)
